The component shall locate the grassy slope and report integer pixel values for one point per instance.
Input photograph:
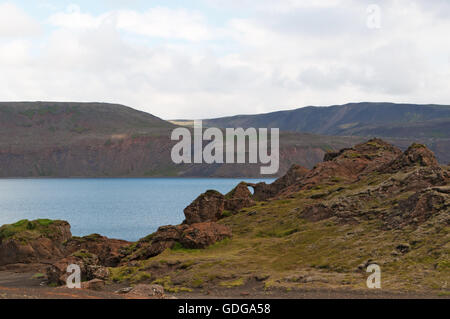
(276, 242)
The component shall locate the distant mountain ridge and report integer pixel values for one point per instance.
(353, 119)
(55, 139)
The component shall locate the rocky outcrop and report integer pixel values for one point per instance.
(107, 250)
(414, 171)
(50, 242)
(421, 206)
(199, 230)
(415, 155)
(195, 236)
(89, 264)
(208, 206)
(202, 235)
(239, 198)
(351, 163)
(264, 191)
(33, 241)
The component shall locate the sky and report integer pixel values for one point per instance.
(210, 58)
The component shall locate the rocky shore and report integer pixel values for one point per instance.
(317, 228)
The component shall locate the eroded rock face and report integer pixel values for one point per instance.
(194, 236)
(264, 191)
(89, 263)
(239, 198)
(415, 155)
(108, 250)
(207, 207)
(414, 171)
(423, 205)
(352, 163)
(33, 241)
(202, 235)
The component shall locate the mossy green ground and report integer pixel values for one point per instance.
(277, 244)
(25, 230)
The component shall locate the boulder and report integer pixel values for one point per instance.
(207, 207)
(94, 284)
(198, 235)
(89, 265)
(37, 241)
(107, 250)
(202, 235)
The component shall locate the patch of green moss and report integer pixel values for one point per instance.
(166, 282)
(232, 283)
(25, 229)
(227, 213)
(417, 145)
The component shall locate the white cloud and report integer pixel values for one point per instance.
(166, 23)
(14, 22)
(293, 56)
(156, 22)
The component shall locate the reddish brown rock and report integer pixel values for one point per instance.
(202, 235)
(198, 235)
(108, 250)
(89, 264)
(415, 155)
(264, 191)
(94, 284)
(207, 207)
(239, 198)
(347, 165)
(33, 241)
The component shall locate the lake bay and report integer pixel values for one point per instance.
(124, 208)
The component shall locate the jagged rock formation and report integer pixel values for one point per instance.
(264, 191)
(207, 207)
(414, 174)
(415, 155)
(107, 250)
(239, 198)
(199, 230)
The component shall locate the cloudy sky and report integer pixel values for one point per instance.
(213, 58)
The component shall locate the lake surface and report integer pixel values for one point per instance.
(125, 208)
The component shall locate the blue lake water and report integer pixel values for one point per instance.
(125, 208)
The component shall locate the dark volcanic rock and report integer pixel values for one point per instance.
(207, 207)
